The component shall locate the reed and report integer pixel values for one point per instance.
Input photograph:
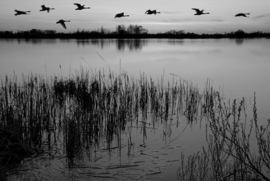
(90, 107)
(229, 154)
(91, 111)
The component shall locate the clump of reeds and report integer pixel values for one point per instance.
(12, 149)
(87, 109)
(229, 154)
(21, 117)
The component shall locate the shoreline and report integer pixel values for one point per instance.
(96, 35)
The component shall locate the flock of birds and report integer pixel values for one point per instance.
(119, 15)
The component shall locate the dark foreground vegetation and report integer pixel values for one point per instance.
(89, 108)
(237, 148)
(132, 31)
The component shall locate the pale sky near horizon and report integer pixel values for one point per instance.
(175, 15)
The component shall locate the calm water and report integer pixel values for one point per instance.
(237, 68)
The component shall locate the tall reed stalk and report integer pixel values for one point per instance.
(230, 153)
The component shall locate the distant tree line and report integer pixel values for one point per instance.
(132, 31)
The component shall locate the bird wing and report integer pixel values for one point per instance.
(43, 7)
(79, 5)
(197, 10)
(63, 24)
(18, 11)
(239, 14)
(119, 15)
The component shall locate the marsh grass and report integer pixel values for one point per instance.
(91, 113)
(237, 148)
(87, 111)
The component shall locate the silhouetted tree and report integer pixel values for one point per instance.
(239, 32)
(174, 32)
(121, 29)
(136, 29)
(50, 32)
(104, 31)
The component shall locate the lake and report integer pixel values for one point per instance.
(236, 67)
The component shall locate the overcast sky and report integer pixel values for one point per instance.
(175, 15)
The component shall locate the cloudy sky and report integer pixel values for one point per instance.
(175, 15)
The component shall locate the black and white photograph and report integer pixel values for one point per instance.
(145, 90)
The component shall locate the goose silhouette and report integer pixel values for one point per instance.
(80, 7)
(151, 12)
(44, 8)
(21, 12)
(119, 15)
(242, 14)
(62, 22)
(199, 12)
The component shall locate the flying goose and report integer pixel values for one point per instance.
(119, 15)
(44, 8)
(151, 12)
(242, 14)
(199, 12)
(21, 12)
(81, 7)
(62, 22)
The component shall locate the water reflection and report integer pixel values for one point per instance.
(121, 44)
(176, 41)
(239, 41)
(100, 43)
(36, 41)
(29, 41)
(136, 44)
